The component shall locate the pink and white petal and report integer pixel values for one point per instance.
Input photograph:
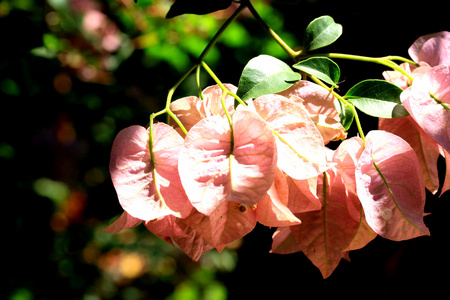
(301, 150)
(125, 221)
(148, 190)
(390, 187)
(272, 210)
(427, 149)
(218, 165)
(427, 101)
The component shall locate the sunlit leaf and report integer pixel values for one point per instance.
(322, 68)
(390, 187)
(264, 75)
(321, 32)
(345, 114)
(377, 98)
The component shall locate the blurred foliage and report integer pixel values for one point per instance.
(75, 72)
(78, 72)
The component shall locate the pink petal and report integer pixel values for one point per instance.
(436, 51)
(284, 242)
(187, 111)
(398, 78)
(418, 45)
(301, 151)
(427, 150)
(324, 234)
(226, 224)
(166, 228)
(272, 210)
(346, 156)
(303, 195)
(420, 101)
(215, 168)
(390, 187)
(192, 243)
(212, 102)
(431, 48)
(190, 110)
(446, 185)
(148, 190)
(125, 221)
(321, 108)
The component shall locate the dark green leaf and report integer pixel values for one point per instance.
(264, 75)
(323, 68)
(377, 98)
(345, 114)
(198, 7)
(321, 32)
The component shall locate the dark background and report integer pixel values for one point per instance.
(57, 128)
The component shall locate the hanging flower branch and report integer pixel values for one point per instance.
(234, 156)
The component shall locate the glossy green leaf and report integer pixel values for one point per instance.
(377, 98)
(321, 32)
(345, 114)
(264, 75)
(321, 67)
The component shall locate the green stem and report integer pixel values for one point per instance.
(224, 94)
(205, 52)
(293, 54)
(386, 60)
(445, 105)
(345, 102)
(197, 78)
(150, 137)
(218, 34)
(169, 100)
(220, 84)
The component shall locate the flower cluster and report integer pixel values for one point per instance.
(427, 99)
(207, 183)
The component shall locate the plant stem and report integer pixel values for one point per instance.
(386, 60)
(221, 30)
(197, 78)
(224, 94)
(293, 54)
(200, 59)
(345, 102)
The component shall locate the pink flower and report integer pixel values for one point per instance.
(433, 49)
(428, 100)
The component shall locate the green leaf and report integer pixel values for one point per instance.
(264, 75)
(377, 98)
(345, 114)
(323, 68)
(321, 32)
(198, 7)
